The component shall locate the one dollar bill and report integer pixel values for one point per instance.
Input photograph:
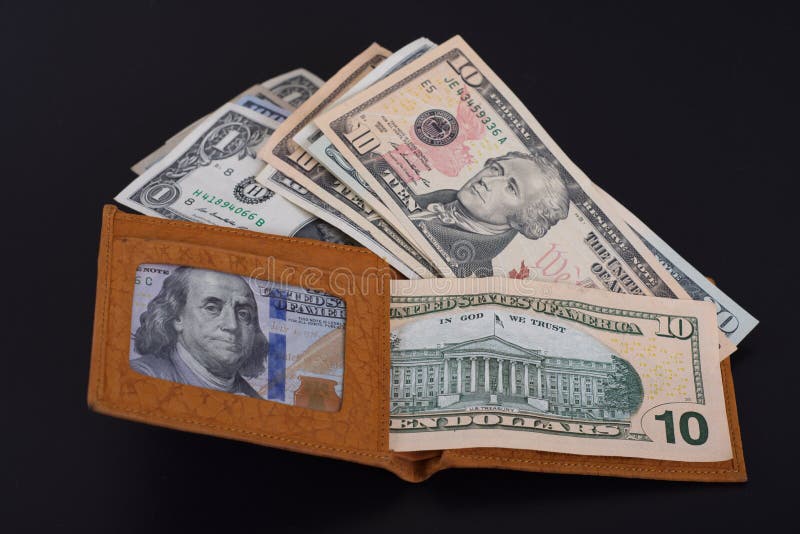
(257, 98)
(497, 362)
(209, 177)
(294, 87)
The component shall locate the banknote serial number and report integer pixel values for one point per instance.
(214, 200)
(466, 96)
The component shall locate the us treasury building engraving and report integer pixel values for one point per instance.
(510, 362)
(249, 337)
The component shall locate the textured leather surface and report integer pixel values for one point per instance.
(359, 431)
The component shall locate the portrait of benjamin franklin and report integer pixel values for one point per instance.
(515, 193)
(202, 330)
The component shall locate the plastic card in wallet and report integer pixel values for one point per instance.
(296, 333)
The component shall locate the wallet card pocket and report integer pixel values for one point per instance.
(198, 328)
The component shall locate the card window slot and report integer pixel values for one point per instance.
(239, 335)
(355, 423)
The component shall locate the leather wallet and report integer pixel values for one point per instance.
(358, 431)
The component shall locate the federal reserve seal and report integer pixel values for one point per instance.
(249, 191)
(436, 127)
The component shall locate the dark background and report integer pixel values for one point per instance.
(680, 112)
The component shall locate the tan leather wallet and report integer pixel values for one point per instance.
(359, 430)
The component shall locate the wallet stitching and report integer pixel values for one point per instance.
(600, 466)
(109, 232)
(244, 233)
(237, 254)
(735, 441)
(383, 435)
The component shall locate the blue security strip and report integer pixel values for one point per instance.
(276, 360)
(264, 107)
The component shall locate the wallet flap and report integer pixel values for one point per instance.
(357, 431)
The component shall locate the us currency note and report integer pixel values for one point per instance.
(334, 162)
(498, 362)
(329, 157)
(733, 320)
(322, 150)
(209, 177)
(477, 183)
(278, 110)
(255, 97)
(154, 157)
(307, 201)
(288, 346)
(391, 64)
(335, 203)
(294, 87)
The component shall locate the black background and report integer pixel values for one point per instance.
(681, 113)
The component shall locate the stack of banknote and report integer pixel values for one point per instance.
(425, 157)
